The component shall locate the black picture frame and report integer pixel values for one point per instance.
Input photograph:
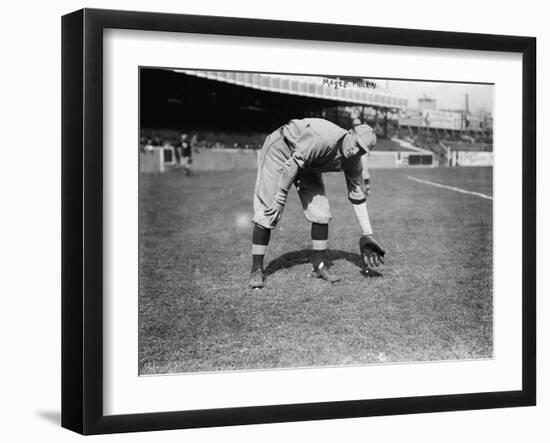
(82, 220)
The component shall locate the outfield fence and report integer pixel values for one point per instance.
(472, 158)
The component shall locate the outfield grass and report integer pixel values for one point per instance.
(433, 302)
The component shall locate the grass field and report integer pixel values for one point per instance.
(433, 302)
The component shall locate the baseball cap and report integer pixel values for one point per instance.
(365, 136)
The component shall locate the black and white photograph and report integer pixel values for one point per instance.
(308, 221)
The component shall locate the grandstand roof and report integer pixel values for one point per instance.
(309, 86)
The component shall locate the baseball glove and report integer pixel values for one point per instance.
(371, 251)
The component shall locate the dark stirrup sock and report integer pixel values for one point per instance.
(260, 240)
(319, 238)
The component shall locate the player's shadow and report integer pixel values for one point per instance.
(294, 258)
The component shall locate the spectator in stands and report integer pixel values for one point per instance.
(142, 144)
(148, 148)
(178, 153)
(194, 142)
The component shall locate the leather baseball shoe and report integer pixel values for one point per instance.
(325, 274)
(256, 279)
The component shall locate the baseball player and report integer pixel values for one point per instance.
(185, 154)
(298, 153)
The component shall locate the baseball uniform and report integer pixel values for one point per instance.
(314, 144)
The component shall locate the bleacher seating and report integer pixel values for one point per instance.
(209, 139)
(478, 147)
(383, 144)
(438, 143)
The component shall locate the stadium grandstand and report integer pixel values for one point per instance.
(236, 110)
(233, 108)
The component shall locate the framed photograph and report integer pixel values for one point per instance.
(270, 221)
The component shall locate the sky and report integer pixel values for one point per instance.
(448, 95)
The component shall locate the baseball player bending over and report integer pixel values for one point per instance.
(298, 153)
